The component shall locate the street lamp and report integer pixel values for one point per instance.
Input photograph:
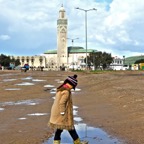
(86, 10)
(72, 40)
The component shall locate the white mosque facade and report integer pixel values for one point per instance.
(63, 56)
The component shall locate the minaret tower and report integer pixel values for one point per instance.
(62, 51)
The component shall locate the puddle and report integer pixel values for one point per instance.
(75, 107)
(22, 102)
(38, 80)
(33, 114)
(49, 86)
(37, 114)
(25, 84)
(86, 133)
(7, 80)
(1, 109)
(22, 118)
(75, 112)
(78, 119)
(53, 91)
(13, 89)
(77, 89)
(27, 78)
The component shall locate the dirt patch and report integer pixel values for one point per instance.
(113, 101)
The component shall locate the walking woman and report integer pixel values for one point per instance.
(62, 111)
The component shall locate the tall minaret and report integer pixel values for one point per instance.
(62, 51)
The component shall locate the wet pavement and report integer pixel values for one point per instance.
(91, 134)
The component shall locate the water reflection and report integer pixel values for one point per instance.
(27, 78)
(90, 134)
(1, 109)
(38, 80)
(53, 91)
(75, 112)
(78, 119)
(22, 102)
(7, 80)
(23, 118)
(37, 114)
(49, 86)
(25, 84)
(77, 89)
(12, 89)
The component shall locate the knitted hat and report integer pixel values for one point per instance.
(71, 80)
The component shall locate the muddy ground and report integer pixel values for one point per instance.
(113, 101)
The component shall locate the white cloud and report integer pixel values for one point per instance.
(122, 25)
(28, 15)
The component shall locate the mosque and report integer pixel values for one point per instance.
(63, 56)
(70, 57)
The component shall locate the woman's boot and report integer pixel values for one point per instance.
(56, 142)
(80, 142)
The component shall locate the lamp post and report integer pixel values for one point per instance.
(86, 10)
(72, 40)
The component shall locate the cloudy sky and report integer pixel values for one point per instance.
(29, 27)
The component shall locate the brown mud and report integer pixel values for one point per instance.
(113, 101)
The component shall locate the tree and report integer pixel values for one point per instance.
(17, 62)
(100, 59)
(139, 61)
(6, 60)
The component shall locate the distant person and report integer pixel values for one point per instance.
(62, 111)
(25, 68)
